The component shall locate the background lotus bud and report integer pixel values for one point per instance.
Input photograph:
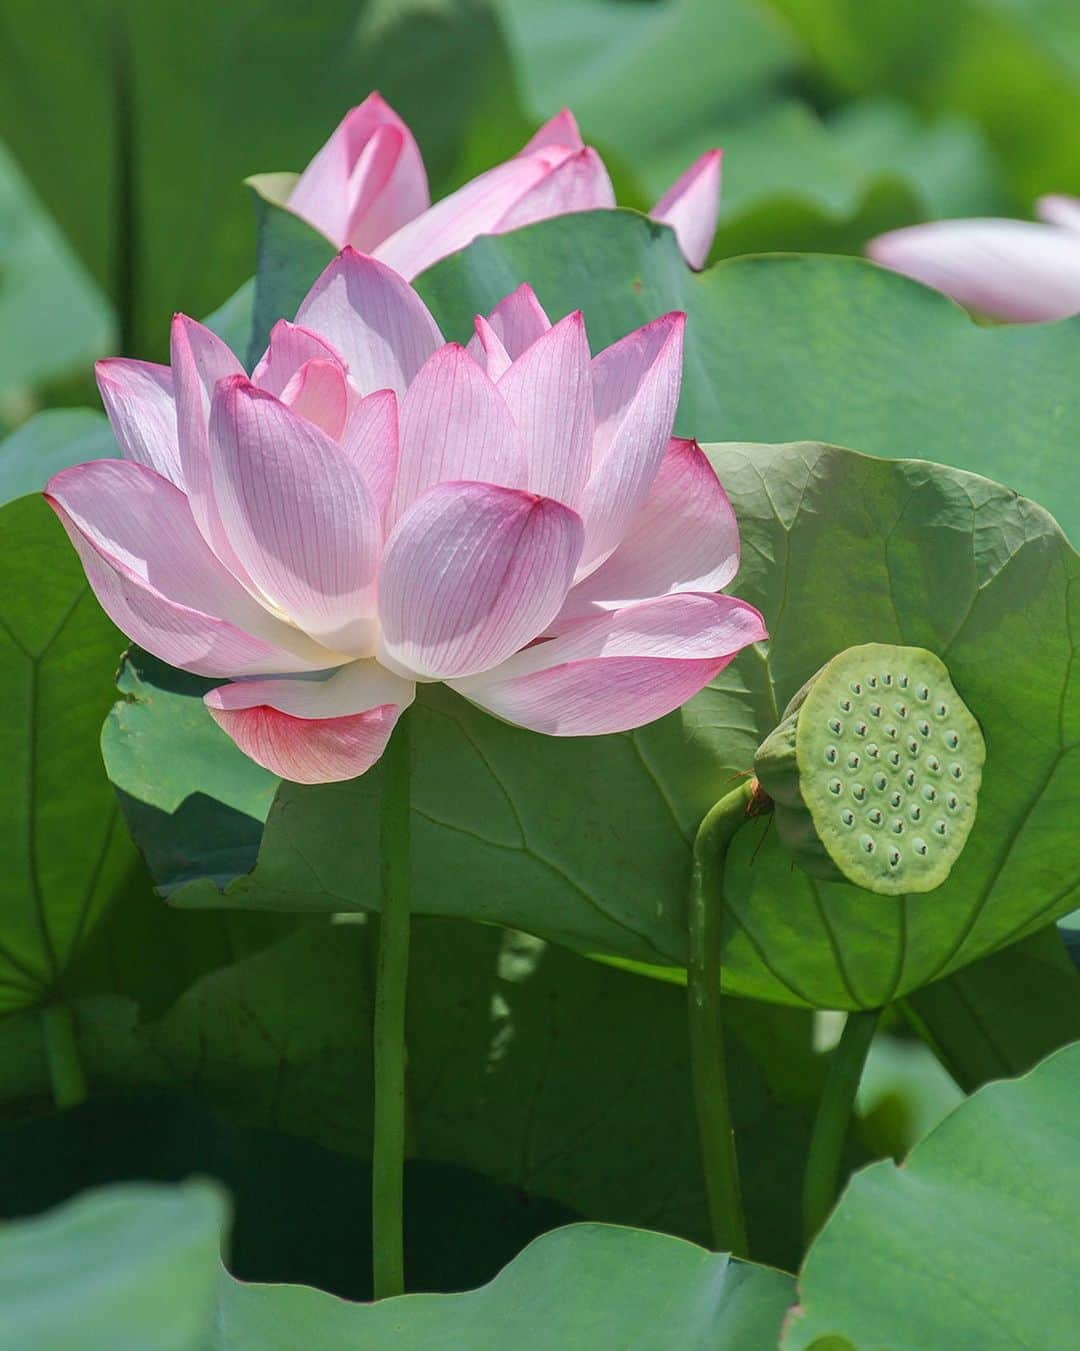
(874, 770)
(1016, 270)
(367, 187)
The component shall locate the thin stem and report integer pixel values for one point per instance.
(707, 1057)
(391, 975)
(62, 1056)
(834, 1118)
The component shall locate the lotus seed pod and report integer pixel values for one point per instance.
(875, 770)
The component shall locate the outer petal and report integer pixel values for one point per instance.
(621, 670)
(518, 320)
(367, 180)
(691, 207)
(319, 391)
(138, 397)
(560, 131)
(549, 392)
(1010, 269)
(635, 394)
(476, 209)
(370, 441)
(684, 538)
(471, 573)
(199, 360)
(374, 319)
(1059, 209)
(579, 183)
(157, 579)
(314, 731)
(487, 350)
(298, 514)
(291, 345)
(455, 425)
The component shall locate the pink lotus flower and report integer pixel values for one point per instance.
(1018, 270)
(375, 508)
(367, 187)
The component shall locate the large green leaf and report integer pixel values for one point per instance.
(138, 1266)
(543, 834)
(971, 1243)
(133, 1266)
(186, 101)
(795, 348)
(66, 853)
(562, 1078)
(577, 1289)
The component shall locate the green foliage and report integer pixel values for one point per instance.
(139, 1266)
(971, 1243)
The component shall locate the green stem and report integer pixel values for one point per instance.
(391, 975)
(707, 1058)
(62, 1056)
(834, 1118)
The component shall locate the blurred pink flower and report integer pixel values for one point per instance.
(367, 187)
(1017, 270)
(375, 508)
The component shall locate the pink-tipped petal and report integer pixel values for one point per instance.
(684, 538)
(691, 206)
(471, 573)
(621, 670)
(476, 209)
(636, 384)
(298, 514)
(138, 398)
(455, 425)
(1009, 269)
(549, 392)
(370, 441)
(318, 730)
(199, 360)
(319, 392)
(302, 750)
(560, 131)
(579, 183)
(487, 350)
(374, 319)
(367, 180)
(158, 581)
(291, 345)
(1059, 209)
(518, 320)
